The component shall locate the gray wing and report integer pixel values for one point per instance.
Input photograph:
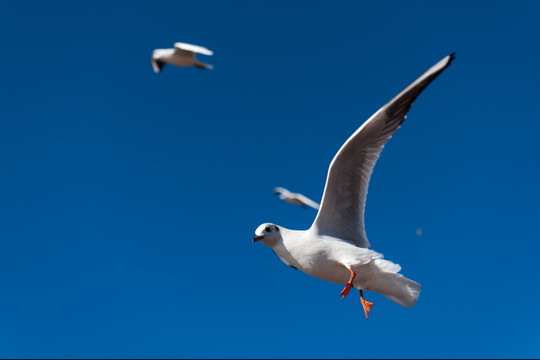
(341, 213)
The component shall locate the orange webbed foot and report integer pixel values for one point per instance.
(345, 291)
(366, 305)
(349, 285)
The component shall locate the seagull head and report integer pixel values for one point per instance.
(156, 54)
(268, 233)
(283, 193)
(162, 54)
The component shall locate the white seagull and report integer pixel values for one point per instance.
(335, 247)
(182, 55)
(295, 198)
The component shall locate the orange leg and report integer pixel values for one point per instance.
(348, 287)
(366, 304)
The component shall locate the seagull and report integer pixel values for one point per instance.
(182, 55)
(335, 247)
(295, 198)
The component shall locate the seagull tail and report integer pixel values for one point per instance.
(396, 287)
(203, 66)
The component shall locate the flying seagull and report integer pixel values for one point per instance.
(182, 55)
(295, 198)
(335, 247)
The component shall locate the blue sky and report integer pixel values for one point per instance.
(129, 198)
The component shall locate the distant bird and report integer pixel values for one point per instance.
(419, 231)
(182, 55)
(335, 248)
(295, 198)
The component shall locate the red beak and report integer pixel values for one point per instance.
(258, 238)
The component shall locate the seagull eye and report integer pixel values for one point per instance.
(268, 229)
(277, 229)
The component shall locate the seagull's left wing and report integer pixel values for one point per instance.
(193, 48)
(341, 213)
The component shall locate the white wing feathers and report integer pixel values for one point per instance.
(307, 201)
(295, 198)
(341, 213)
(193, 48)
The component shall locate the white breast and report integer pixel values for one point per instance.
(324, 257)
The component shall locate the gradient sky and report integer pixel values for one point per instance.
(129, 199)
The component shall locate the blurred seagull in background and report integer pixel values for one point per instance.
(335, 247)
(295, 198)
(182, 55)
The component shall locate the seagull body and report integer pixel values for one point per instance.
(182, 55)
(335, 247)
(295, 198)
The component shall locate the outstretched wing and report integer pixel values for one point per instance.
(192, 48)
(295, 198)
(341, 213)
(307, 201)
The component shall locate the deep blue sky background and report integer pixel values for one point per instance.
(129, 198)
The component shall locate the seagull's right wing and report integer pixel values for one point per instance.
(193, 48)
(341, 213)
(307, 201)
(157, 65)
